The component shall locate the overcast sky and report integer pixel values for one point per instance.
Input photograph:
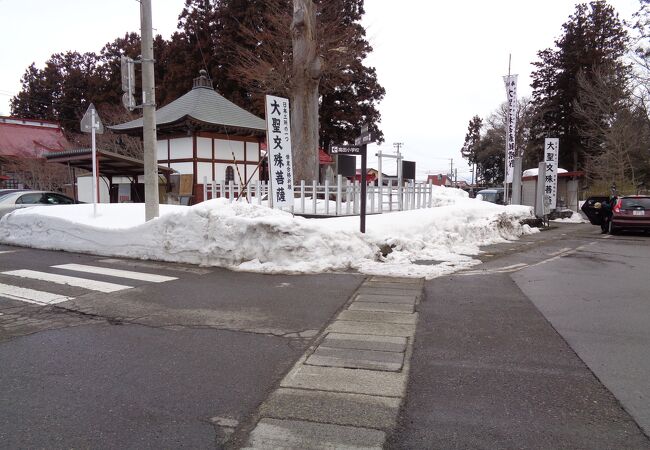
(440, 62)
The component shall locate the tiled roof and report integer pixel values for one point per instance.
(30, 138)
(202, 104)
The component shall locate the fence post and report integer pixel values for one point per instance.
(327, 197)
(347, 197)
(302, 196)
(372, 190)
(413, 194)
(314, 193)
(205, 188)
(339, 193)
(231, 190)
(430, 194)
(390, 195)
(400, 196)
(380, 197)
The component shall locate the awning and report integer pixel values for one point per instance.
(108, 163)
(324, 158)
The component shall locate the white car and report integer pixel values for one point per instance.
(11, 201)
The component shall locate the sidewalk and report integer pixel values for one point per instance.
(346, 390)
(488, 371)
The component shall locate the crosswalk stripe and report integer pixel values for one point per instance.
(141, 276)
(30, 295)
(93, 285)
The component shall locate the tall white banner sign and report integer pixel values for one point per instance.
(511, 125)
(280, 159)
(551, 152)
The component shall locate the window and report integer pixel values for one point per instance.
(230, 174)
(29, 199)
(635, 203)
(56, 199)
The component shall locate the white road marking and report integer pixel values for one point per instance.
(505, 269)
(31, 295)
(141, 276)
(7, 251)
(560, 251)
(100, 286)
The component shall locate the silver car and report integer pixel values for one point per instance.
(10, 201)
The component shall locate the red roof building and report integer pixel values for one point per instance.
(28, 138)
(25, 139)
(439, 180)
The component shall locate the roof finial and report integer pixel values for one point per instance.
(203, 81)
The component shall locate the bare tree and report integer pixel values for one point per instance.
(37, 173)
(615, 129)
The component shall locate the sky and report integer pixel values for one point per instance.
(441, 63)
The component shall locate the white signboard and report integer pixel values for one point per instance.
(280, 159)
(551, 152)
(511, 126)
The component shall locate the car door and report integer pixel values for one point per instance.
(595, 215)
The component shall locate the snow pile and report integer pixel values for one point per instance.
(576, 217)
(239, 236)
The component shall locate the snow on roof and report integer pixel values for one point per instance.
(28, 138)
(255, 238)
(535, 171)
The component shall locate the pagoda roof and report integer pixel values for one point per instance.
(201, 109)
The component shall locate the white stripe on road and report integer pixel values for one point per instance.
(560, 251)
(31, 295)
(141, 276)
(7, 251)
(100, 286)
(152, 265)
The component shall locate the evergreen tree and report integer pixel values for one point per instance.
(592, 37)
(472, 140)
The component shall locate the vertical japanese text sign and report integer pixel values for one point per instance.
(551, 151)
(511, 125)
(280, 159)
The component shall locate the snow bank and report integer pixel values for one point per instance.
(419, 243)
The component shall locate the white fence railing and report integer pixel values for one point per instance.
(340, 199)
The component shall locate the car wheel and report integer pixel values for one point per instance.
(612, 229)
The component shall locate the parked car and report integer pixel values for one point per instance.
(591, 208)
(494, 195)
(630, 213)
(10, 201)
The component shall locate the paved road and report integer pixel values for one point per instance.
(124, 358)
(541, 346)
(512, 353)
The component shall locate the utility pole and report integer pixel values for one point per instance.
(148, 113)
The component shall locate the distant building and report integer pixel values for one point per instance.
(440, 180)
(22, 140)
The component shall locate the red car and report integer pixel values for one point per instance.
(631, 212)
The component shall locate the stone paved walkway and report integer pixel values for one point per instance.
(346, 390)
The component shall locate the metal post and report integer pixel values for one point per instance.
(149, 114)
(94, 156)
(364, 186)
(380, 182)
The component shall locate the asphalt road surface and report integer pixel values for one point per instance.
(175, 362)
(543, 345)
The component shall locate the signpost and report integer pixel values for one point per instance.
(280, 158)
(359, 148)
(91, 123)
(551, 151)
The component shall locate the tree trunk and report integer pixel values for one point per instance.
(307, 70)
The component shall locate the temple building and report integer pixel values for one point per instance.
(204, 135)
